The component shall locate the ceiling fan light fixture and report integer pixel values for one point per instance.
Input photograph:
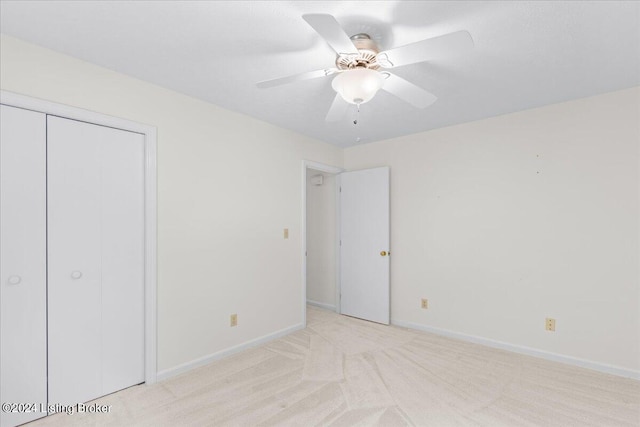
(358, 85)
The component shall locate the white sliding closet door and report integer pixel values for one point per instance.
(23, 258)
(96, 260)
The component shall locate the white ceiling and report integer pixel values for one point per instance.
(526, 54)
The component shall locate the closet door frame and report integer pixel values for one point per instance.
(150, 203)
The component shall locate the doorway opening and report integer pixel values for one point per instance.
(321, 254)
(346, 241)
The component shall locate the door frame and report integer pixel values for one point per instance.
(308, 164)
(150, 203)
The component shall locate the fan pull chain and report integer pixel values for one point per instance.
(355, 122)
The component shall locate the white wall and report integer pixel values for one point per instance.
(321, 240)
(227, 186)
(505, 221)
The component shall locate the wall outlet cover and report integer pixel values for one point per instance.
(550, 324)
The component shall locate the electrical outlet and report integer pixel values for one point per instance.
(550, 324)
(233, 320)
(424, 303)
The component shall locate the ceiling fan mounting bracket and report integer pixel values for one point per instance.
(366, 57)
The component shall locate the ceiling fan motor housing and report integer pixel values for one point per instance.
(366, 57)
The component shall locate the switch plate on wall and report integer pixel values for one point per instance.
(286, 233)
(233, 320)
(424, 303)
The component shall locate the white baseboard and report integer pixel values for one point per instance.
(601, 367)
(321, 305)
(177, 370)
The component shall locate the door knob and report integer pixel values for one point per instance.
(14, 280)
(76, 275)
(383, 253)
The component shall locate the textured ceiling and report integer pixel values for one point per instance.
(527, 54)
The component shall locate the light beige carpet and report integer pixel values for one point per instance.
(341, 371)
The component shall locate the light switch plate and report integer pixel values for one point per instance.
(286, 233)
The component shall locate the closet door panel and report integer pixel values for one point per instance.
(123, 261)
(74, 211)
(23, 327)
(96, 228)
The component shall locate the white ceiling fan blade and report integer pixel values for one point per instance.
(296, 78)
(425, 50)
(408, 92)
(332, 32)
(338, 109)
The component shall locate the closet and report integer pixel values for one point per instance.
(72, 257)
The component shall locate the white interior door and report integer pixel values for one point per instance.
(23, 262)
(364, 244)
(96, 260)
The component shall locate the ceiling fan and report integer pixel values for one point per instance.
(360, 65)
